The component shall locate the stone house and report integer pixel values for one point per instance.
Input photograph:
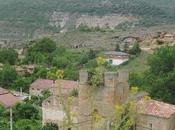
(155, 115)
(45, 84)
(116, 58)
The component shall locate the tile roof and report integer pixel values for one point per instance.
(3, 91)
(46, 84)
(42, 84)
(7, 99)
(156, 108)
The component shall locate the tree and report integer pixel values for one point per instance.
(40, 72)
(7, 76)
(135, 49)
(117, 47)
(26, 124)
(41, 51)
(21, 83)
(50, 126)
(45, 45)
(60, 62)
(26, 111)
(159, 79)
(8, 56)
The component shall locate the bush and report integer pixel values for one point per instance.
(7, 76)
(50, 126)
(8, 56)
(135, 49)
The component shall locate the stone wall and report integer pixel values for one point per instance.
(114, 91)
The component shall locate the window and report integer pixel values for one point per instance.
(110, 61)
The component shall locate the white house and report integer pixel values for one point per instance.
(116, 58)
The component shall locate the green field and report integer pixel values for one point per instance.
(138, 64)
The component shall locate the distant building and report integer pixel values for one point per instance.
(7, 99)
(45, 84)
(155, 115)
(40, 85)
(116, 58)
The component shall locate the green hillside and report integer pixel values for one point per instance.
(26, 16)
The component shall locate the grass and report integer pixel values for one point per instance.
(138, 64)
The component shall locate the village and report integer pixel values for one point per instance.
(81, 91)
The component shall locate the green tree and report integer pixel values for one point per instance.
(159, 79)
(7, 76)
(21, 83)
(26, 124)
(50, 126)
(60, 62)
(8, 56)
(45, 45)
(135, 49)
(26, 111)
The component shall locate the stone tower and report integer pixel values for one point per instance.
(114, 91)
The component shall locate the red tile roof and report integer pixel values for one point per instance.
(47, 84)
(156, 108)
(3, 91)
(8, 100)
(42, 84)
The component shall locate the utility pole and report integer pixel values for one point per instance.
(11, 120)
(108, 125)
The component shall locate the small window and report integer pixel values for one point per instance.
(110, 61)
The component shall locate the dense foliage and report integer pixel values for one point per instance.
(8, 56)
(159, 79)
(50, 126)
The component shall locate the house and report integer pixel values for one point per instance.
(155, 115)
(116, 58)
(45, 84)
(53, 110)
(40, 85)
(7, 99)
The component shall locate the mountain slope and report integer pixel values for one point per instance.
(23, 18)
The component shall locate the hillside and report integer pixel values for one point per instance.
(21, 19)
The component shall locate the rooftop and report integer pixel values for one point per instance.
(3, 91)
(7, 99)
(116, 53)
(46, 84)
(157, 108)
(42, 84)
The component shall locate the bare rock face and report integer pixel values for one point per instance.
(61, 19)
(105, 21)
